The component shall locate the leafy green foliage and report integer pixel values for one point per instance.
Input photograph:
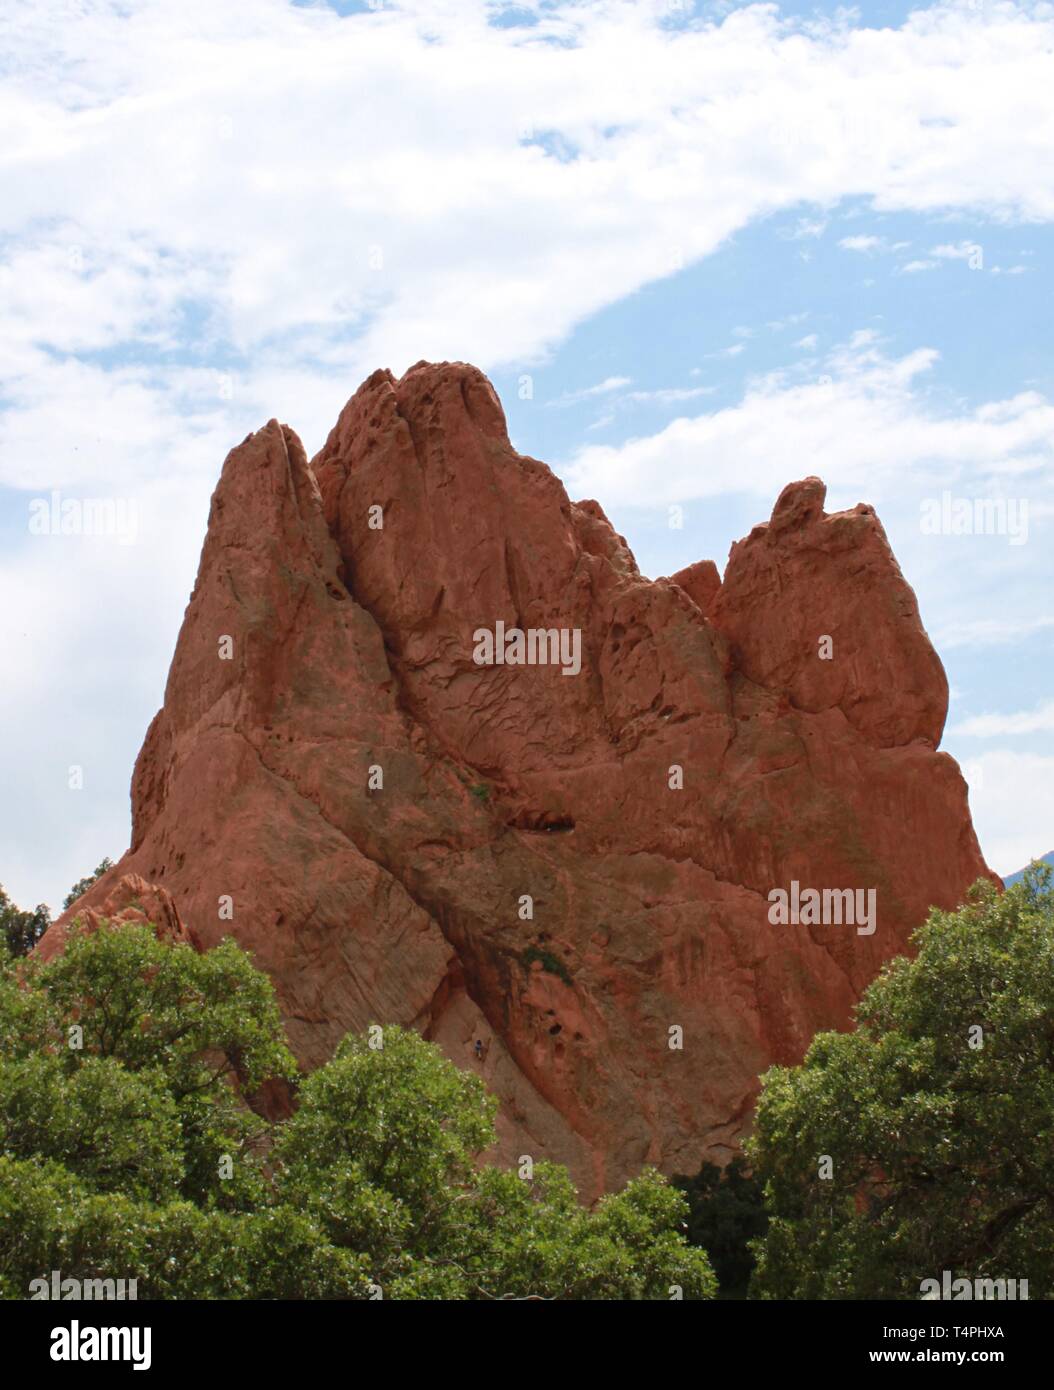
(20, 931)
(937, 1114)
(49, 1219)
(726, 1211)
(139, 1017)
(127, 1151)
(83, 884)
(383, 1153)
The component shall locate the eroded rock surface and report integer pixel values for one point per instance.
(352, 650)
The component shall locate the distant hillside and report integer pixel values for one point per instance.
(1015, 878)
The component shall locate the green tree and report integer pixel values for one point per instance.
(50, 1219)
(934, 1119)
(384, 1153)
(83, 884)
(127, 1150)
(20, 931)
(726, 1212)
(124, 1066)
(121, 1016)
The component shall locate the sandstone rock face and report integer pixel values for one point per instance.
(132, 899)
(572, 870)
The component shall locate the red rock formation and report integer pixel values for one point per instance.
(351, 649)
(132, 899)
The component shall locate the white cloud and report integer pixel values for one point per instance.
(602, 388)
(808, 342)
(777, 325)
(808, 227)
(263, 161)
(1012, 805)
(1038, 720)
(218, 213)
(87, 627)
(861, 424)
(914, 267)
(999, 631)
(960, 251)
(669, 395)
(861, 243)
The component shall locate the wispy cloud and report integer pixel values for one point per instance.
(859, 421)
(1038, 720)
(216, 213)
(808, 228)
(602, 388)
(990, 632)
(958, 251)
(1012, 804)
(861, 242)
(670, 395)
(384, 230)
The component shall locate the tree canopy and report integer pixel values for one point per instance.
(923, 1141)
(128, 1150)
(83, 884)
(21, 930)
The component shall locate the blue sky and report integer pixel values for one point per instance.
(724, 246)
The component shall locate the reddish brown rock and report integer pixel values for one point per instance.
(805, 576)
(700, 582)
(130, 899)
(352, 651)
